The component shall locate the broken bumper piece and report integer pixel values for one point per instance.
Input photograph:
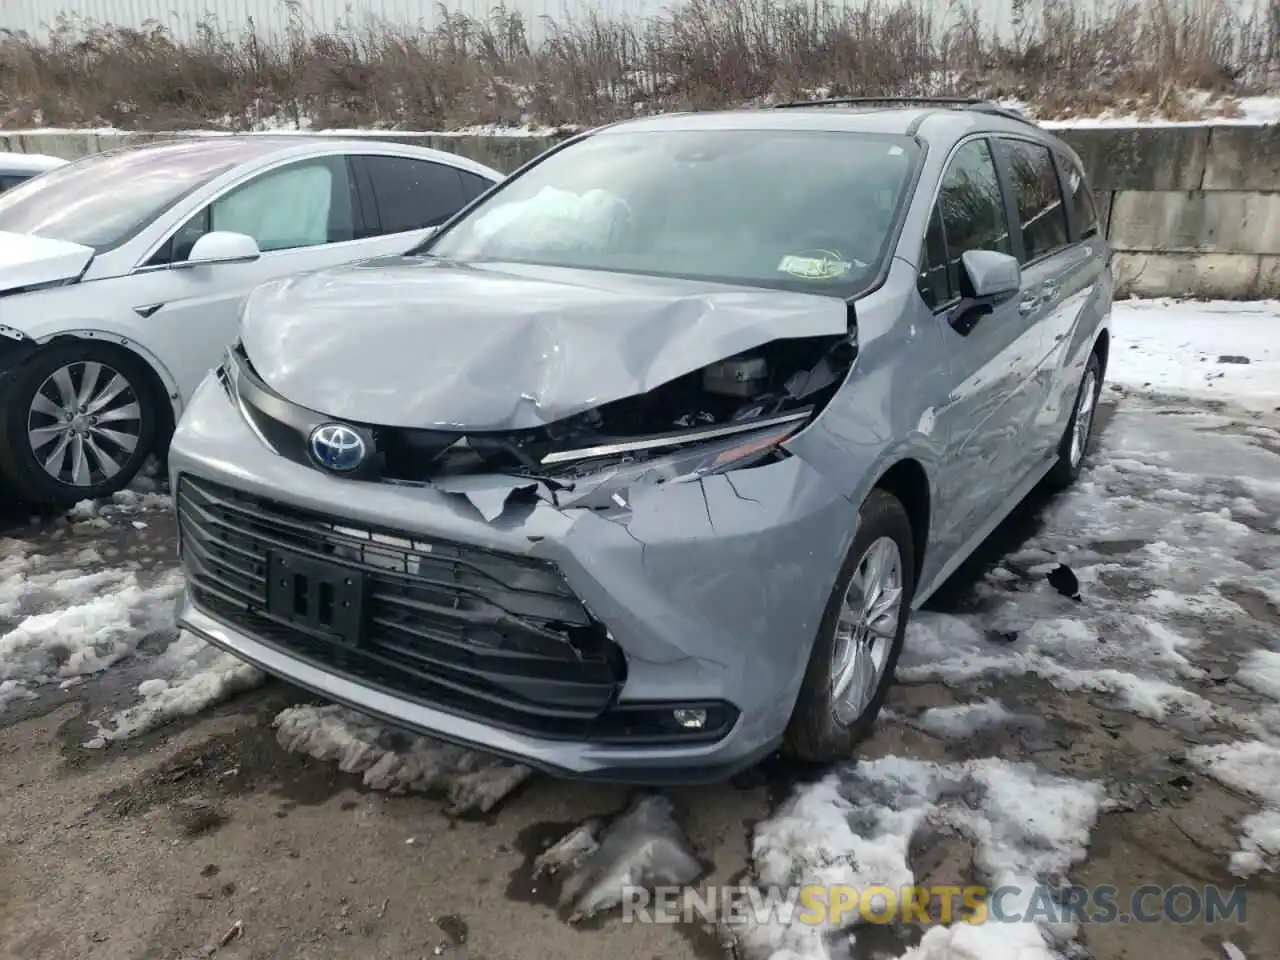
(663, 641)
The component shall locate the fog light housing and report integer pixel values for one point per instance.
(690, 719)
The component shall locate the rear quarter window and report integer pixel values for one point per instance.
(473, 185)
(413, 194)
(1038, 194)
(1080, 205)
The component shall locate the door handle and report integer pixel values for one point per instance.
(1028, 305)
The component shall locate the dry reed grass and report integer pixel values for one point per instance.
(1138, 55)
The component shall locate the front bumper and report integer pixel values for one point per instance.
(710, 764)
(711, 591)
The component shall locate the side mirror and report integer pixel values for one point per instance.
(223, 246)
(993, 278)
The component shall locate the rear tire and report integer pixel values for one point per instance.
(835, 710)
(1074, 445)
(77, 421)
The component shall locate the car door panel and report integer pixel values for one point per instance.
(992, 368)
(990, 363)
(1078, 278)
(1085, 293)
(1037, 301)
(1057, 274)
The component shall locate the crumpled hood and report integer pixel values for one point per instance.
(412, 342)
(27, 260)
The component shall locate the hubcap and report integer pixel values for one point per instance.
(1084, 417)
(84, 423)
(866, 630)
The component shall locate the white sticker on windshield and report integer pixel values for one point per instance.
(822, 265)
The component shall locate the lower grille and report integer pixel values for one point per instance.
(473, 631)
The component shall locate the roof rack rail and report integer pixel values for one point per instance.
(859, 101)
(976, 104)
(1009, 113)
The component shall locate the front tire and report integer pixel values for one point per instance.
(1074, 444)
(77, 422)
(855, 654)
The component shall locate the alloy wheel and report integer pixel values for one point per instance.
(1084, 417)
(84, 423)
(866, 630)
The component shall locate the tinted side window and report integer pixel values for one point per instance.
(186, 236)
(10, 181)
(1079, 199)
(413, 194)
(472, 185)
(972, 208)
(1039, 196)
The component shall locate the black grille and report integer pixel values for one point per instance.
(445, 624)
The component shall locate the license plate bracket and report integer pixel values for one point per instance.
(315, 595)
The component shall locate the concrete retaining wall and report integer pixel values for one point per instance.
(1190, 210)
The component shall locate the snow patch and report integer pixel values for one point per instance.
(1175, 346)
(29, 592)
(190, 676)
(963, 720)
(398, 762)
(856, 828)
(1067, 653)
(1253, 111)
(12, 691)
(1260, 671)
(1154, 572)
(642, 848)
(91, 633)
(1259, 844)
(1253, 768)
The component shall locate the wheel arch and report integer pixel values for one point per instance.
(160, 381)
(1102, 348)
(908, 481)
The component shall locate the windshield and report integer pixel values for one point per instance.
(799, 210)
(103, 200)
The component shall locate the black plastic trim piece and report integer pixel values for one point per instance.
(14, 351)
(976, 104)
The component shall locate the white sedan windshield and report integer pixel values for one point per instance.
(103, 200)
(794, 209)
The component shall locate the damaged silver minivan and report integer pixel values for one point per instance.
(637, 467)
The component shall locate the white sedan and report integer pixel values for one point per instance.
(16, 168)
(122, 276)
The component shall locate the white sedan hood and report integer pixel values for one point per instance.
(26, 260)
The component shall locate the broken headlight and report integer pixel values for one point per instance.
(604, 473)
